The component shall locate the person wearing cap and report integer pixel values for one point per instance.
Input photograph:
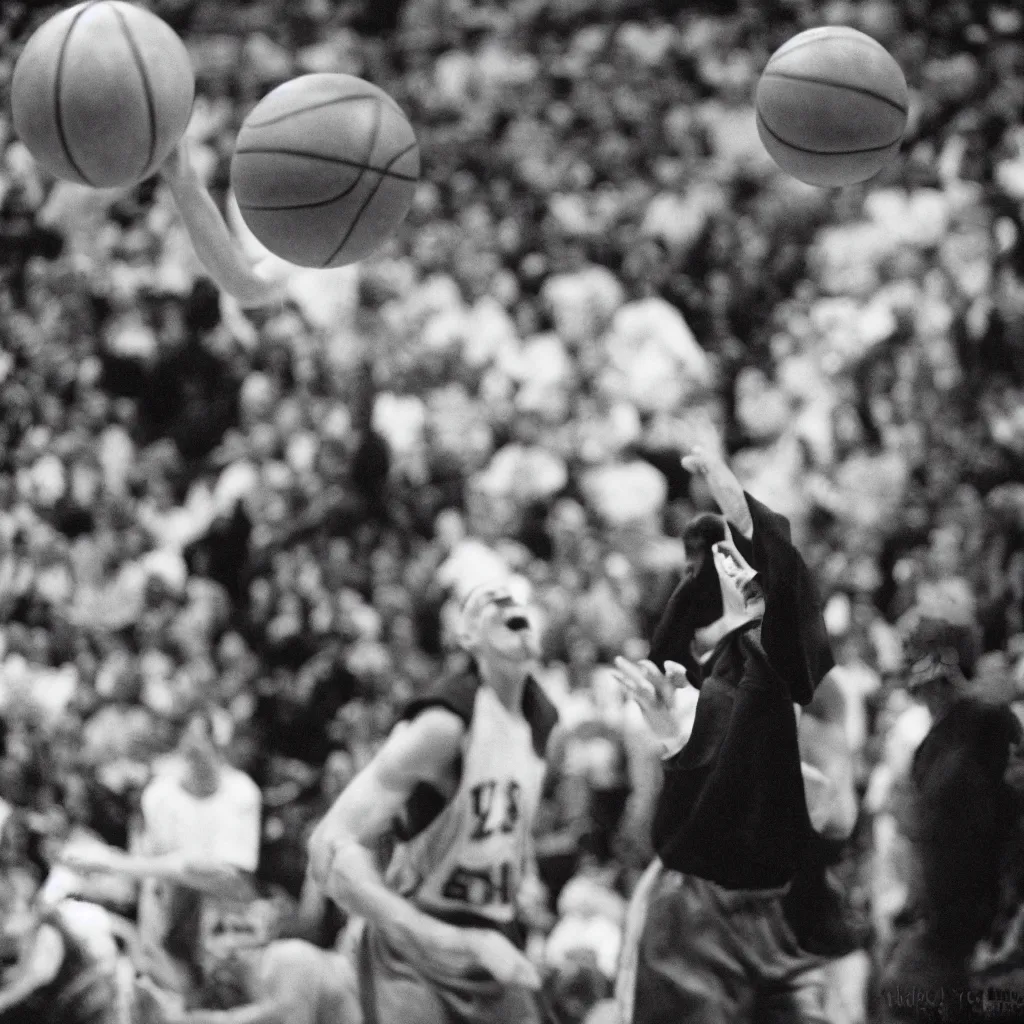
(707, 938)
(958, 813)
(456, 784)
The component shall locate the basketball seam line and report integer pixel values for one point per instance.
(345, 192)
(58, 118)
(355, 220)
(815, 80)
(314, 106)
(366, 202)
(282, 151)
(823, 152)
(817, 39)
(150, 103)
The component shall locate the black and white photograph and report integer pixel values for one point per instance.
(512, 512)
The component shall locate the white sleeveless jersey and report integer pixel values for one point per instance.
(471, 858)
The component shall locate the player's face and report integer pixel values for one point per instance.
(508, 628)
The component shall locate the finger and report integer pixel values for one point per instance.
(729, 546)
(640, 690)
(653, 675)
(659, 683)
(630, 670)
(628, 685)
(651, 671)
(646, 693)
(677, 673)
(623, 680)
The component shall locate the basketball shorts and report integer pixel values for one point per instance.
(699, 953)
(391, 990)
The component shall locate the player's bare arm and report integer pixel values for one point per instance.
(213, 242)
(342, 858)
(723, 485)
(212, 879)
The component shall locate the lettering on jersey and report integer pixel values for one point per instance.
(492, 816)
(480, 887)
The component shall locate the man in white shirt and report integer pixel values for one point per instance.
(196, 856)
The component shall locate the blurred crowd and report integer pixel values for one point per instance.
(277, 508)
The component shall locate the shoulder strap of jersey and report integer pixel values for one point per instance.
(457, 693)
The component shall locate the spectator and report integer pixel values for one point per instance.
(959, 816)
(195, 858)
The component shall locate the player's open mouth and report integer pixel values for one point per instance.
(517, 622)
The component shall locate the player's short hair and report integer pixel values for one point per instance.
(703, 593)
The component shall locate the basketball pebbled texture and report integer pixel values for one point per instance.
(325, 169)
(102, 92)
(832, 106)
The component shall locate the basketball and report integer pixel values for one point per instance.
(324, 169)
(832, 106)
(102, 93)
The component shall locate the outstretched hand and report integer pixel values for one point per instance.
(655, 691)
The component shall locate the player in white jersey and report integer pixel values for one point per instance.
(457, 783)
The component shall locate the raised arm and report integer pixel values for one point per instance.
(725, 488)
(214, 245)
